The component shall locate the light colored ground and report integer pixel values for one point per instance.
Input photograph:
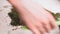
(26, 31)
(5, 30)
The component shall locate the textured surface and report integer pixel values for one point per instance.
(5, 20)
(20, 31)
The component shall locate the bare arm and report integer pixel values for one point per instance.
(35, 17)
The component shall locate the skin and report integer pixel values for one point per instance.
(36, 18)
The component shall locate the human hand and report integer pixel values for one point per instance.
(37, 19)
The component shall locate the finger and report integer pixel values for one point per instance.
(40, 28)
(46, 24)
(36, 31)
(52, 22)
(33, 28)
(47, 27)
